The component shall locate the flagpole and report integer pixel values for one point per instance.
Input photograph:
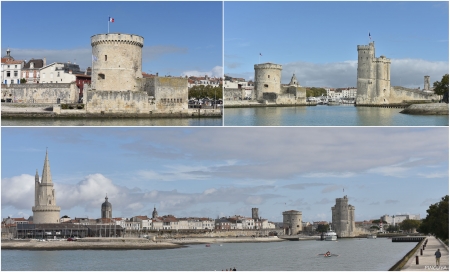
(108, 24)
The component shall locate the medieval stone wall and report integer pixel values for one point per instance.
(233, 94)
(41, 93)
(117, 102)
(170, 94)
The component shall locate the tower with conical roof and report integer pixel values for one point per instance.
(45, 209)
(106, 209)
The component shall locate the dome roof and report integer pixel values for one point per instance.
(106, 204)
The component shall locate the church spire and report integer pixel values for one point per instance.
(46, 174)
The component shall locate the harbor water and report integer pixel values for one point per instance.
(112, 122)
(342, 115)
(354, 254)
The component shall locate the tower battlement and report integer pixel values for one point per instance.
(116, 38)
(268, 65)
(367, 47)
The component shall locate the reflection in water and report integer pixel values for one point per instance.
(343, 115)
(113, 122)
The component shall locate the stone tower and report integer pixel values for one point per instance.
(255, 213)
(292, 222)
(267, 79)
(116, 61)
(426, 83)
(343, 218)
(45, 209)
(294, 81)
(373, 76)
(154, 213)
(106, 208)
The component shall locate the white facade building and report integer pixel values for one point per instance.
(58, 72)
(397, 219)
(11, 69)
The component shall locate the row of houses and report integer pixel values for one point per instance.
(166, 222)
(206, 80)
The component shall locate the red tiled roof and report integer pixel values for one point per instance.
(10, 61)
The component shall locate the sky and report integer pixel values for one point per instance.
(318, 40)
(180, 38)
(227, 171)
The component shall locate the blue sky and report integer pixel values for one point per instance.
(179, 37)
(226, 171)
(318, 40)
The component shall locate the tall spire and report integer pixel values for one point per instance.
(46, 174)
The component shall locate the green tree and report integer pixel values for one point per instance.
(436, 221)
(208, 91)
(393, 228)
(313, 91)
(322, 227)
(23, 80)
(375, 227)
(441, 87)
(377, 221)
(409, 224)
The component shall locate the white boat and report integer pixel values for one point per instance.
(372, 236)
(330, 235)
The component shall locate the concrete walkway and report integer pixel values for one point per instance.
(428, 261)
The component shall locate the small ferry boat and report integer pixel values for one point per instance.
(372, 236)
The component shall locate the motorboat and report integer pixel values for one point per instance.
(330, 235)
(372, 236)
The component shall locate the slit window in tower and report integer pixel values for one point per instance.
(106, 57)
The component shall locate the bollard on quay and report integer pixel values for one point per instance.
(417, 259)
(421, 252)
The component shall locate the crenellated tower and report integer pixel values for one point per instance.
(267, 79)
(45, 209)
(116, 61)
(373, 76)
(343, 218)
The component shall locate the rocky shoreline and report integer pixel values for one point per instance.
(427, 109)
(125, 243)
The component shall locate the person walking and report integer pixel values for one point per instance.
(438, 257)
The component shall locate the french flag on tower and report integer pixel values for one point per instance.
(111, 19)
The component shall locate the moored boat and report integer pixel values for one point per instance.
(330, 235)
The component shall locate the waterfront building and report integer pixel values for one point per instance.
(11, 69)
(292, 222)
(58, 72)
(222, 224)
(31, 70)
(397, 219)
(204, 81)
(343, 218)
(45, 209)
(106, 209)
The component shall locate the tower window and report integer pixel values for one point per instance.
(106, 57)
(101, 76)
(265, 85)
(268, 76)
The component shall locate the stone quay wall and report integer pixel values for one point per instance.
(41, 93)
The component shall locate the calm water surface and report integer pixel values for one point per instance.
(343, 115)
(113, 122)
(354, 254)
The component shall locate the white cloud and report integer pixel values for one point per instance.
(216, 71)
(18, 192)
(330, 175)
